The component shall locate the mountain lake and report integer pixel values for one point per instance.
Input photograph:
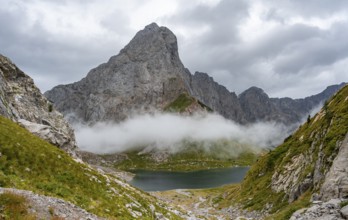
(167, 180)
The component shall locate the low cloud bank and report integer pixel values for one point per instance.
(170, 131)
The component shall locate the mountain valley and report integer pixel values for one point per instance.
(143, 110)
(148, 76)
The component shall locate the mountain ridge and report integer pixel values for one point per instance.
(148, 75)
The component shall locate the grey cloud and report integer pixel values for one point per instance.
(310, 8)
(285, 55)
(222, 21)
(240, 57)
(160, 132)
(326, 48)
(54, 59)
(287, 58)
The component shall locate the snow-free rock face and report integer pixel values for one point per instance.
(257, 106)
(217, 97)
(336, 180)
(21, 100)
(144, 77)
(329, 210)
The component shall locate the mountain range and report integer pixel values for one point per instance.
(148, 76)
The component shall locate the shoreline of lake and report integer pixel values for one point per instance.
(168, 180)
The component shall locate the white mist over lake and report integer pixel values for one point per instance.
(169, 131)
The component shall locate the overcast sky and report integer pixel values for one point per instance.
(287, 47)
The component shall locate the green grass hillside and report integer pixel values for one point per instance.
(182, 102)
(185, 161)
(29, 163)
(321, 135)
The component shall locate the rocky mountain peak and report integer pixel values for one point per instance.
(9, 70)
(253, 91)
(152, 26)
(144, 77)
(152, 41)
(257, 105)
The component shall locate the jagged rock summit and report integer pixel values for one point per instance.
(144, 77)
(148, 75)
(22, 101)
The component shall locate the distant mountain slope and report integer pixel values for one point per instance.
(30, 163)
(217, 97)
(147, 75)
(22, 101)
(253, 104)
(297, 108)
(310, 165)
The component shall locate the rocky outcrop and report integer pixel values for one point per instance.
(145, 76)
(294, 179)
(344, 211)
(336, 180)
(329, 210)
(288, 180)
(22, 101)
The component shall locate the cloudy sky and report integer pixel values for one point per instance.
(287, 47)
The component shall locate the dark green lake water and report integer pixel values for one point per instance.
(165, 180)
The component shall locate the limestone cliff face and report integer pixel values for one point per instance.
(22, 101)
(144, 77)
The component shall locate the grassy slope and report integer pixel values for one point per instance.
(30, 163)
(255, 190)
(187, 161)
(182, 102)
